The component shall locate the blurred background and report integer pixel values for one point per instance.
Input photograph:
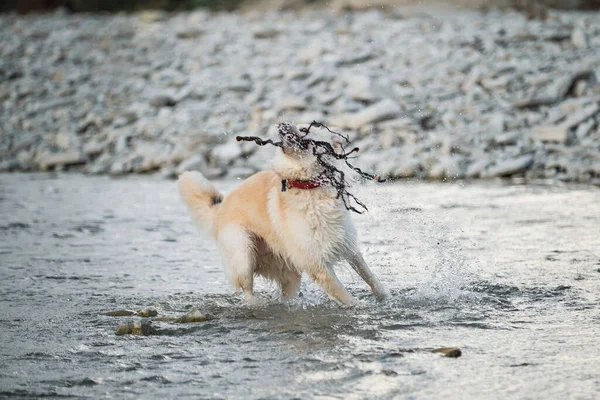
(454, 90)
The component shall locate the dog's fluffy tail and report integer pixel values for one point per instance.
(201, 198)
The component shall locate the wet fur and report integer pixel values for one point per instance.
(279, 235)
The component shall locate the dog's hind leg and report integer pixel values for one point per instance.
(328, 281)
(289, 281)
(355, 259)
(239, 255)
(276, 269)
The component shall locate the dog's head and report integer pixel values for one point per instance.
(296, 159)
(293, 143)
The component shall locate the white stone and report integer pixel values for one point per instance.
(446, 167)
(194, 163)
(584, 128)
(581, 115)
(580, 38)
(93, 148)
(580, 88)
(162, 100)
(67, 140)
(240, 172)
(189, 33)
(477, 168)
(551, 133)
(407, 168)
(310, 53)
(496, 122)
(359, 87)
(381, 111)
(510, 166)
(47, 160)
(226, 153)
(292, 103)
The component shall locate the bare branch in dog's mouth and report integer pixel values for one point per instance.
(323, 151)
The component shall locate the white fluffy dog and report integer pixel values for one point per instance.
(279, 233)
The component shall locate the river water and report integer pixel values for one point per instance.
(510, 274)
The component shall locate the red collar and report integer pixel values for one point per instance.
(311, 184)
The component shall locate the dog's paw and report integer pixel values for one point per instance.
(347, 306)
(253, 301)
(381, 294)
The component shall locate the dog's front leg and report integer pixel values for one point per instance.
(355, 259)
(289, 281)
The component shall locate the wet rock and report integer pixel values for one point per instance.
(452, 352)
(165, 319)
(120, 313)
(147, 312)
(139, 328)
(193, 316)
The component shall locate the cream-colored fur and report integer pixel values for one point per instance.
(261, 230)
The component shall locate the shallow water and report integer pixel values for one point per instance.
(508, 273)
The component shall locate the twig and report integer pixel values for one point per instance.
(322, 150)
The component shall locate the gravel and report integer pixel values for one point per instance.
(463, 95)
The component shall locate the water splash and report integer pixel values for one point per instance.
(446, 273)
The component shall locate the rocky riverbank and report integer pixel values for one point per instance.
(463, 95)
